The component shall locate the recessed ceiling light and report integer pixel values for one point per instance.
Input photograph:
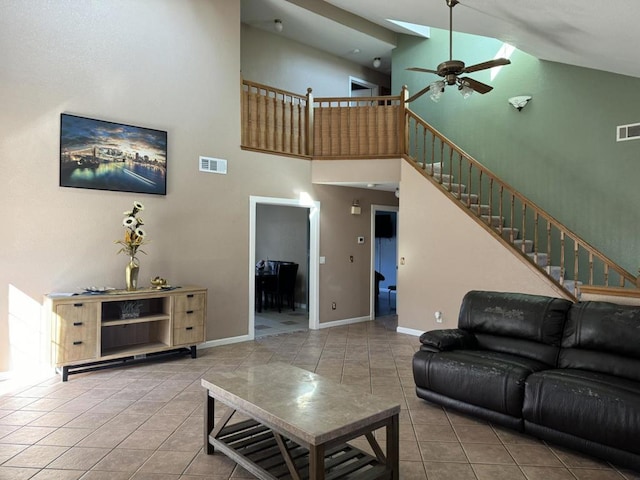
(355, 50)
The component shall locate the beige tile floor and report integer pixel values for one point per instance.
(145, 422)
(271, 322)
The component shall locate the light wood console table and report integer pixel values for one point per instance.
(95, 331)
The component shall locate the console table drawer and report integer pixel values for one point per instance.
(75, 332)
(189, 335)
(189, 318)
(192, 301)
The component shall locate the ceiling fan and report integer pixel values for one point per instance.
(451, 70)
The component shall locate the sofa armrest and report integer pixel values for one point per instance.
(449, 339)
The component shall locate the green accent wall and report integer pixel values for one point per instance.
(560, 151)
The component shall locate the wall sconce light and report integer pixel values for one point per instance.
(377, 62)
(397, 193)
(355, 208)
(277, 25)
(520, 101)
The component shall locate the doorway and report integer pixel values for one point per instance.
(267, 219)
(384, 260)
(362, 88)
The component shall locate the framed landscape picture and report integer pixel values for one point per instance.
(112, 156)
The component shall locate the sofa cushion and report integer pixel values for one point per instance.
(590, 405)
(491, 380)
(536, 320)
(602, 337)
(448, 339)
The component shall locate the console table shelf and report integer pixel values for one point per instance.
(132, 321)
(89, 333)
(128, 350)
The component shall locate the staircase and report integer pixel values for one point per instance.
(561, 255)
(483, 212)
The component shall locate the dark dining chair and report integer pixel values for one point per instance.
(285, 285)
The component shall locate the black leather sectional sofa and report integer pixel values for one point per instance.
(564, 372)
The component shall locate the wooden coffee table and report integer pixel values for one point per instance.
(298, 425)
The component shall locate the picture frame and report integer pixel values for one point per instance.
(103, 155)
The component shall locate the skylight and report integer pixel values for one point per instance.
(413, 28)
(505, 52)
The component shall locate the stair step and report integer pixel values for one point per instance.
(506, 233)
(542, 258)
(480, 209)
(433, 168)
(495, 220)
(554, 271)
(454, 187)
(443, 177)
(471, 198)
(526, 244)
(572, 285)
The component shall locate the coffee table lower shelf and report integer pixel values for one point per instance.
(255, 447)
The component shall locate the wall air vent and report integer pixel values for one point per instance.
(628, 132)
(213, 165)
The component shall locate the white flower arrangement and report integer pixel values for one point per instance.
(134, 235)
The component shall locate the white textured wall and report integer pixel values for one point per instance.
(273, 60)
(172, 65)
(165, 64)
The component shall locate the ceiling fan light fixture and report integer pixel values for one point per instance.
(465, 90)
(437, 89)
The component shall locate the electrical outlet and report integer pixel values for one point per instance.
(333, 305)
(438, 316)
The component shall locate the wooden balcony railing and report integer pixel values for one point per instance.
(285, 123)
(274, 120)
(346, 127)
(277, 121)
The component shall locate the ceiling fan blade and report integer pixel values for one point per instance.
(425, 70)
(476, 85)
(484, 65)
(419, 94)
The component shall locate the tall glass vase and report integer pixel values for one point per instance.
(131, 274)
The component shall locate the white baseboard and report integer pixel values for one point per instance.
(224, 341)
(410, 331)
(347, 321)
(337, 323)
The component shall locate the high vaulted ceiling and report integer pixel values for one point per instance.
(597, 34)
